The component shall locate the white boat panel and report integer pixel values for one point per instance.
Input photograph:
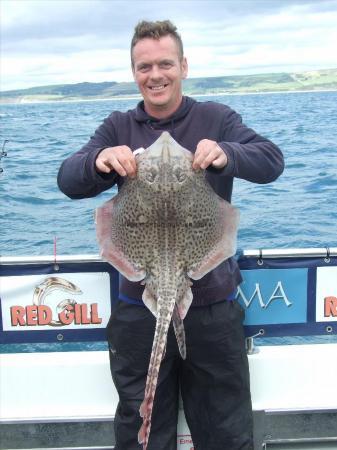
(77, 385)
(56, 386)
(294, 377)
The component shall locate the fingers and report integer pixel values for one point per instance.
(209, 153)
(120, 159)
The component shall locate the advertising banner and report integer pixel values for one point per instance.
(41, 304)
(274, 296)
(71, 300)
(294, 296)
(281, 297)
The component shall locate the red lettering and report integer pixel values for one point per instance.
(17, 315)
(67, 315)
(186, 441)
(84, 313)
(31, 315)
(330, 307)
(44, 315)
(78, 314)
(81, 314)
(94, 314)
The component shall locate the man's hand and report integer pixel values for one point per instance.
(120, 158)
(209, 153)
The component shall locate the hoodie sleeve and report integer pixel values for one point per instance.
(250, 156)
(77, 177)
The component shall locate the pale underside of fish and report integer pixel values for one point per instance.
(165, 228)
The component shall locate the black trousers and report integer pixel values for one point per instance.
(213, 380)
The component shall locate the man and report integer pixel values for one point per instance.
(214, 378)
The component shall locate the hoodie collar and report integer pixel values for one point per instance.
(142, 116)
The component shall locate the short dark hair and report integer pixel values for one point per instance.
(156, 30)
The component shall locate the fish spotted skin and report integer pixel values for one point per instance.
(165, 227)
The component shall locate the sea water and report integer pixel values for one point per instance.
(297, 210)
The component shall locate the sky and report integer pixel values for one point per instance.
(46, 42)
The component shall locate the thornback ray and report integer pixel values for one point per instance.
(165, 227)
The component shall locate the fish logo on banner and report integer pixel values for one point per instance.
(326, 294)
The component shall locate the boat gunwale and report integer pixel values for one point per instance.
(324, 252)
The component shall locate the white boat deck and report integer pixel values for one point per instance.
(77, 385)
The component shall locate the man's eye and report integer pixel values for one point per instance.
(165, 65)
(144, 68)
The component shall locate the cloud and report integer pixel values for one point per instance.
(57, 41)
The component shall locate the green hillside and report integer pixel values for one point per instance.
(301, 81)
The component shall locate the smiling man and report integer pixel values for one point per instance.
(214, 378)
(158, 67)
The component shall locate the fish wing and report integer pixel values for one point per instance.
(111, 251)
(224, 245)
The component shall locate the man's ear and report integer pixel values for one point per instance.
(184, 67)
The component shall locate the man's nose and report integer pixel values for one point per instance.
(156, 72)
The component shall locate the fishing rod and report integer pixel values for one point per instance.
(3, 153)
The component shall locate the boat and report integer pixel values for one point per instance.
(55, 386)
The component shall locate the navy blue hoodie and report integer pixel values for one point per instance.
(250, 157)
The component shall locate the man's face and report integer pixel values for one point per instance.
(158, 71)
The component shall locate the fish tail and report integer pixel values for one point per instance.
(158, 349)
(179, 331)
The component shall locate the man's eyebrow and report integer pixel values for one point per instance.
(147, 64)
(166, 60)
(143, 63)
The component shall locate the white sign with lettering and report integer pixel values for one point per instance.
(65, 301)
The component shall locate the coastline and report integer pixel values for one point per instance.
(139, 97)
